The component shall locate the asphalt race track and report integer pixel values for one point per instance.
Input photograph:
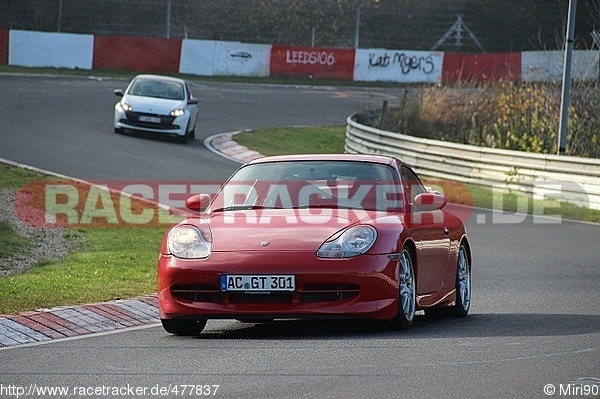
(534, 327)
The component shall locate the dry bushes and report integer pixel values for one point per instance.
(515, 116)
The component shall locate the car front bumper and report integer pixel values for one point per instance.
(167, 124)
(365, 286)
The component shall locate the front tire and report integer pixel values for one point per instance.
(184, 327)
(407, 290)
(189, 135)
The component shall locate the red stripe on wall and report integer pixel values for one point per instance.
(312, 62)
(481, 67)
(137, 53)
(3, 46)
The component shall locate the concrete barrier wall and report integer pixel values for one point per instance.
(242, 59)
(571, 179)
(547, 66)
(197, 57)
(3, 46)
(482, 67)
(209, 57)
(44, 49)
(141, 54)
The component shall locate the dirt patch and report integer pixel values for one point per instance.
(44, 243)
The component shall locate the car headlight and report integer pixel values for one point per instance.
(189, 242)
(178, 112)
(352, 242)
(126, 107)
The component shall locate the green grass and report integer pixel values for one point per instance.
(10, 241)
(15, 177)
(297, 140)
(111, 264)
(512, 201)
(107, 263)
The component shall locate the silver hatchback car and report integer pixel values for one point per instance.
(158, 104)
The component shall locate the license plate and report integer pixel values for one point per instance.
(257, 283)
(151, 119)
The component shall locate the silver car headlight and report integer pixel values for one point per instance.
(352, 242)
(189, 242)
(178, 112)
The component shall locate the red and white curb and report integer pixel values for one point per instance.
(71, 321)
(224, 145)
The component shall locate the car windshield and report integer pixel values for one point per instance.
(157, 89)
(311, 184)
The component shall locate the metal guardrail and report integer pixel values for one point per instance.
(563, 178)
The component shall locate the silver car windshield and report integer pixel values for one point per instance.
(312, 184)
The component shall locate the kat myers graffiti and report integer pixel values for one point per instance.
(406, 63)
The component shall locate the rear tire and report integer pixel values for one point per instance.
(463, 289)
(184, 327)
(463, 283)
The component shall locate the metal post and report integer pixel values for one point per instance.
(357, 30)
(59, 14)
(563, 128)
(169, 3)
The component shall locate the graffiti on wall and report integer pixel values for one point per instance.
(398, 65)
(312, 62)
(310, 57)
(403, 61)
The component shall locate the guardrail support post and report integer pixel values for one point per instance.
(563, 129)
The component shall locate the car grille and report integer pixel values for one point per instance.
(166, 121)
(261, 298)
(329, 292)
(310, 293)
(196, 293)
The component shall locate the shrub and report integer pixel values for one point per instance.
(515, 116)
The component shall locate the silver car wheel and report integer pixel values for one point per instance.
(407, 285)
(464, 278)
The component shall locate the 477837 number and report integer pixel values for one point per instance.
(192, 390)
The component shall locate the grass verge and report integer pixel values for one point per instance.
(107, 263)
(281, 140)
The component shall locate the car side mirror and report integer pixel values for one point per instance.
(193, 101)
(119, 93)
(431, 201)
(198, 202)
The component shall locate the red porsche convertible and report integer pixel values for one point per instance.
(307, 236)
